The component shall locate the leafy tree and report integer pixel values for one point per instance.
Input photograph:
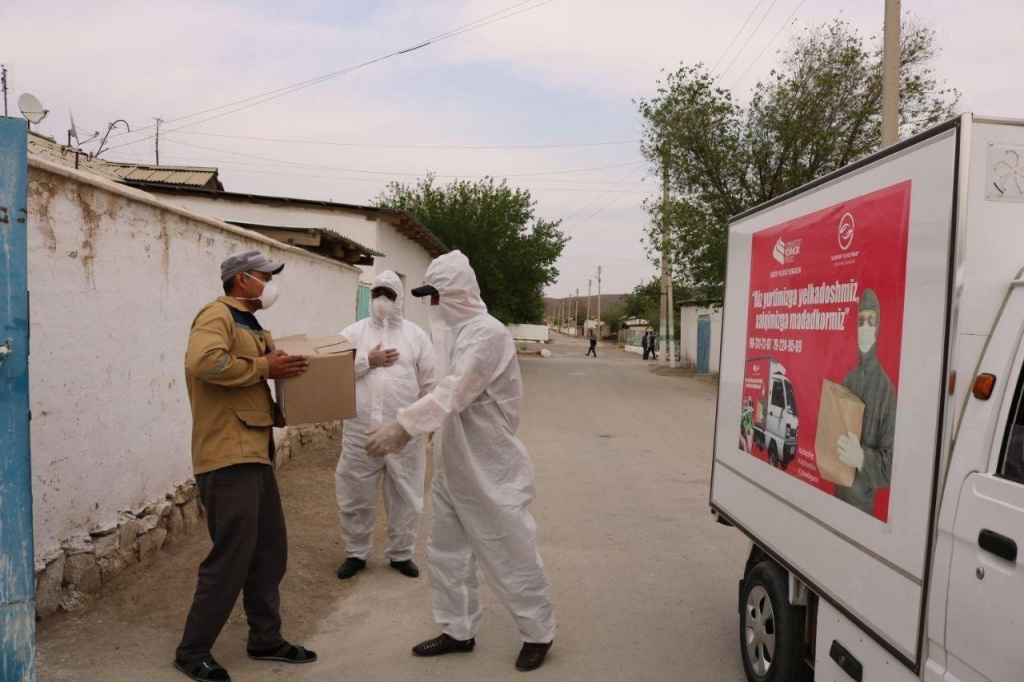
(819, 111)
(512, 251)
(645, 300)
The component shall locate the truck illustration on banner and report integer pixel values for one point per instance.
(769, 416)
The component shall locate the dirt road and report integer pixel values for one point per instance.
(643, 581)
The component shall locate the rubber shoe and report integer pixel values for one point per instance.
(443, 645)
(351, 566)
(531, 656)
(406, 568)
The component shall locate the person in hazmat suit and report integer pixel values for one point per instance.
(870, 453)
(483, 476)
(394, 366)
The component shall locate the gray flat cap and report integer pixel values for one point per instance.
(243, 261)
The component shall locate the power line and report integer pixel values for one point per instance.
(256, 100)
(596, 199)
(394, 173)
(606, 206)
(412, 146)
(745, 22)
(758, 57)
(747, 42)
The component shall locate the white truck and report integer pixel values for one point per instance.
(893, 293)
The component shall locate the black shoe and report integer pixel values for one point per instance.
(531, 656)
(351, 566)
(443, 645)
(286, 653)
(407, 568)
(203, 669)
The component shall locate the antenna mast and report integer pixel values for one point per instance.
(158, 122)
(3, 83)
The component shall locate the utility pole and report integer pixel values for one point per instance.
(3, 84)
(891, 74)
(666, 284)
(157, 138)
(599, 321)
(589, 282)
(576, 313)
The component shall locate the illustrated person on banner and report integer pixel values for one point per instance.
(871, 454)
(747, 427)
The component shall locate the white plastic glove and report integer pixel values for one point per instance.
(850, 452)
(386, 438)
(382, 358)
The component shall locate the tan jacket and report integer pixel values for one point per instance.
(232, 410)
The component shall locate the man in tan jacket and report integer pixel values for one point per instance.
(229, 359)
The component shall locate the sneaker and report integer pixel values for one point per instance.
(531, 656)
(443, 645)
(351, 566)
(406, 568)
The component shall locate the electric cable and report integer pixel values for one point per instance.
(784, 24)
(749, 38)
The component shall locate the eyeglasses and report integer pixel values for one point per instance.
(869, 319)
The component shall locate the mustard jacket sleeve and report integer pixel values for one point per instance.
(207, 358)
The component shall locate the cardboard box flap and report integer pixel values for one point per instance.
(300, 344)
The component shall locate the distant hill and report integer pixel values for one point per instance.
(609, 302)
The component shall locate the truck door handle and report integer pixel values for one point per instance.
(998, 544)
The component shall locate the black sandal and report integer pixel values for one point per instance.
(203, 669)
(286, 653)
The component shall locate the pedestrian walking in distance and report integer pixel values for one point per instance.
(593, 345)
(394, 366)
(645, 343)
(652, 343)
(483, 477)
(229, 359)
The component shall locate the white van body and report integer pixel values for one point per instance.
(913, 595)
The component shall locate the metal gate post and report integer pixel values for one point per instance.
(17, 589)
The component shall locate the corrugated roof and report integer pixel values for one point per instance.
(189, 176)
(320, 240)
(404, 222)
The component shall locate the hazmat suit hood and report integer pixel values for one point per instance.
(391, 281)
(455, 281)
(869, 303)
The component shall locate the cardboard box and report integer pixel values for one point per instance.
(327, 390)
(840, 412)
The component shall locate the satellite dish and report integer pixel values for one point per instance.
(31, 108)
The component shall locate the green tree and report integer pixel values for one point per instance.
(512, 251)
(819, 111)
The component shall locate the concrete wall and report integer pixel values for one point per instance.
(116, 277)
(401, 254)
(529, 332)
(688, 316)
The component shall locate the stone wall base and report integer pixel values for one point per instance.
(85, 563)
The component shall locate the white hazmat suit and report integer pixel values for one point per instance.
(483, 476)
(380, 393)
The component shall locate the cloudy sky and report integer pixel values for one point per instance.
(540, 91)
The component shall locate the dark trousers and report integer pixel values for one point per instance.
(249, 556)
(647, 351)
(593, 349)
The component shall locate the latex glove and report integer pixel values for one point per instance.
(382, 358)
(850, 452)
(386, 438)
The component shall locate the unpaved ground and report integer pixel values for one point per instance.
(644, 582)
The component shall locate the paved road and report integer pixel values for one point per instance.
(644, 582)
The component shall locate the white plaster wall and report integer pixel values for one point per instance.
(116, 277)
(401, 254)
(530, 332)
(688, 316)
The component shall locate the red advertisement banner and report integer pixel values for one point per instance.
(824, 336)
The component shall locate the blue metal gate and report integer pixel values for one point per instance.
(363, 302)
(704, 344)
(17, 590)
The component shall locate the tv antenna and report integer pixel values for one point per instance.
(107, 134)
(31, 108)
(73, 133)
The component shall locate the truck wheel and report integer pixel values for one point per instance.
(773, 455)
(785, 464)
(771, 629)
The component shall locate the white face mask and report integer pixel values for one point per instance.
(382, 308)
(866, 336)
(269, 294)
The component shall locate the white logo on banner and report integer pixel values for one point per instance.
(786, 252)
(845, 231)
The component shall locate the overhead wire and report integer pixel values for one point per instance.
(605, 207)
(749, 38)
(758, 57)
(731, 42)
(411, 146)
(287, 90)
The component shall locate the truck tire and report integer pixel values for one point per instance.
(773, 454)
(771, 629)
